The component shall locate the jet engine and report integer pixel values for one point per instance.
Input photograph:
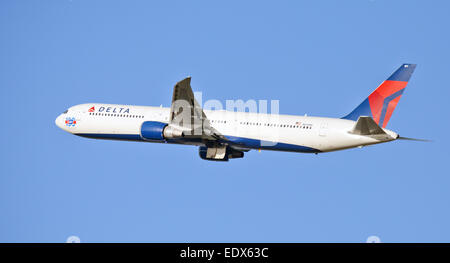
(159, 131)
(220, 153)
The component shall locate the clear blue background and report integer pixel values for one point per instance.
(317, 57)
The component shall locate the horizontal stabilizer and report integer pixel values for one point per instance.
(366, 126)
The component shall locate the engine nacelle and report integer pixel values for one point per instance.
(159, 131)
(153, 130)
(172, 132)
(222, 153)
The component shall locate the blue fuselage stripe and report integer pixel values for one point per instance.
(233, 140)
(268, 145)
(126, 137)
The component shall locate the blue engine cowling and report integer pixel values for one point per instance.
(153, 130)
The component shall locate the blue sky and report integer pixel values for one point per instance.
(317, 57)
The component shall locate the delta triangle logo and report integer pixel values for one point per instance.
(91, 109)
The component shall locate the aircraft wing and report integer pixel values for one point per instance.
(187, 114)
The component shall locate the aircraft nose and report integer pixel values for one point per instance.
(59, 121)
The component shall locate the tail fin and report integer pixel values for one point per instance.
(381, 103)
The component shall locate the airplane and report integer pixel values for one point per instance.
(223, 135)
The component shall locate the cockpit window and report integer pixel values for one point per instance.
(65, 111)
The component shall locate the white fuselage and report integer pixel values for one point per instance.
(245, 130)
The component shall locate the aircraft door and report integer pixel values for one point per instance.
(323, 129)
